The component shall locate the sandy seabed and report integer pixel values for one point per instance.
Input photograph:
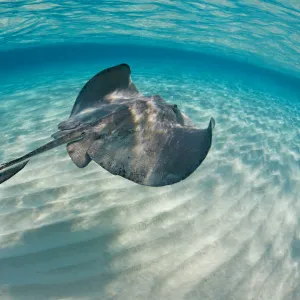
(229, 231)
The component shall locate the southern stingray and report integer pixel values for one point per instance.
(143, 139)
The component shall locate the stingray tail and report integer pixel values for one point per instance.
(8, 170)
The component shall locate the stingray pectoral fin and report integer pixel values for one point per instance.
(7, 173)
(212, 124)
(98, 89)
(154, 158)
(185, 150)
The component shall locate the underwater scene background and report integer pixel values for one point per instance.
(229, 231)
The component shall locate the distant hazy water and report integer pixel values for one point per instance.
(231, 230)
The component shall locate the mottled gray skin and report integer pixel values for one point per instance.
(143, 139)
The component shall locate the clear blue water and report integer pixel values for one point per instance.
(231, 230)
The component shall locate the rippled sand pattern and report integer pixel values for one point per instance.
(261, 31)
(230, 231)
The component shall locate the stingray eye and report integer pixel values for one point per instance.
(174, 108)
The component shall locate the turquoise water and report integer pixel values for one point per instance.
(229, 231)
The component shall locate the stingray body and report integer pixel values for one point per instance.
(143, 139)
